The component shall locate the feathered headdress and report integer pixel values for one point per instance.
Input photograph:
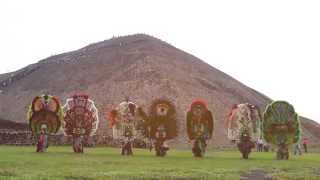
(81, 116)
(281, 123)
(45, 110)
(169, 121)
(206, 118)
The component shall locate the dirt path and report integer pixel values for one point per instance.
(256, 175)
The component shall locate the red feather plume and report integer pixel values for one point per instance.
(112, 117)
(198, 102)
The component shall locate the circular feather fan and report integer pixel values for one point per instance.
(124, 115)
(125, 111)
(243, 118)
(198, 111)
(281, 123)
(45, 110)
(81, 116)
(162, 112)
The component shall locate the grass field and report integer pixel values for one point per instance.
(106, 163)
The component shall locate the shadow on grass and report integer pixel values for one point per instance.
(77, 178)
(6, 173)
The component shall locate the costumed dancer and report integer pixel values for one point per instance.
(243, 127)
(200, 127)
(161, 124)
(125, 121)
(42, 143)
(80, 120)
(45, 116)
(281, 127)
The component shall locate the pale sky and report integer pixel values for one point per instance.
(272, 46)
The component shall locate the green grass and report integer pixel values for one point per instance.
(106, 163)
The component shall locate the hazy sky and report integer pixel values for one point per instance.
(272, 46)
